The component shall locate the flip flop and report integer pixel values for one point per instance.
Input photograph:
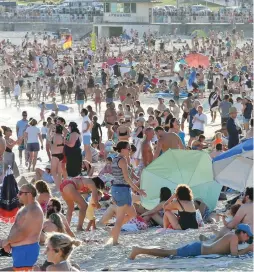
(4, 253)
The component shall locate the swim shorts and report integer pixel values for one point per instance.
(80, 102)
(86, 139)
(25, 256)
(33, 147)
(109, 100)
(121, 195)
(193, 249)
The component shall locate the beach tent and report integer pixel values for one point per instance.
(234, 168)
(175, 167)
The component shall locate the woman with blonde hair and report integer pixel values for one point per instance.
(53, 224)
(58, 250)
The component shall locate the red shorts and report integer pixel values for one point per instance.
(97, 100)
(65, 183)
(122, 98)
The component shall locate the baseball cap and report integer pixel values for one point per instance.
(245, 228)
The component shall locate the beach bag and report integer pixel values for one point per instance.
(9, 202)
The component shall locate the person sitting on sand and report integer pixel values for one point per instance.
(199, 144)
(182, 201)
(54, 206)
(44, 175)
(53, 224)
(156, 214)
(244, 215)
(58, 250)
(71, 190)
(44, 194)
(228, 244)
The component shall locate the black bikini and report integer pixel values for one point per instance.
(187, 220)
(60, 156)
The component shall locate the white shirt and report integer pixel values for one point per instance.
(32, 134)
(239, 107)
(197, 124)
(17, 90)
(44, 130)
(84, 125)
(175, 110)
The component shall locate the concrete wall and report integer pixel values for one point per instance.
(78, 30)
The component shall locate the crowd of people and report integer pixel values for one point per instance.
(128, 140)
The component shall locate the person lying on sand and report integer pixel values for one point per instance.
(228, 244)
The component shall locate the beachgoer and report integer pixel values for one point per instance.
(44, 194)
(228, 244)
(232, 128)
(86, 134)
(71, 190)
(20, 130)
(24, 236)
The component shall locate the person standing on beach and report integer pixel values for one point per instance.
(20, 130)
(17, 93)
(121, 189)
(146, 147)
(86, 131)
(24, 236)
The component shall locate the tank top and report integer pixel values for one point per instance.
(117, 172)
(187, 220)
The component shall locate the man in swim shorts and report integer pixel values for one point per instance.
(24, 236)
(228, 244)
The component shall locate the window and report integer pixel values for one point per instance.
(106, 7)
(127, 8)
(113, 7)
(120, 8)
(133, 7)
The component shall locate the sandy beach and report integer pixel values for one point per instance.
(97, 255)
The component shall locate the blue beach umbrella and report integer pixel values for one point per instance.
(234, 168)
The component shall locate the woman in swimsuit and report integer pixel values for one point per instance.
(123, 131)
(57, 156)
(182, 201)
(44, 194)
(71, 191)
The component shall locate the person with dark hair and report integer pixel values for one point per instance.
(157, 212)
(44, 194)
(166, 140)
(121, 188)
(24, 236)
(243, 216)
(72, 151)
(199, 144)
(174, 126)
(182, 201)
(32, 136)
(71, 191)
(224, 107)
(57, 156)
(20, 130)
(228, 244)
(54, 206)
(218, 150)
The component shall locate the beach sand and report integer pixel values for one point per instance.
(97, 255)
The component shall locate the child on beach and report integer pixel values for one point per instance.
(90, 213)
(43, 108)
(44, 130)
(45, 89)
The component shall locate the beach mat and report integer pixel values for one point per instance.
(179, 263)
(51, 107)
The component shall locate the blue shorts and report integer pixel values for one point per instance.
(109, 100)
(86, 139)
(121, 195)
(25, 256)
(193, 249)
(80, 102)
(245, 120)
(47, 177)
(33, 147)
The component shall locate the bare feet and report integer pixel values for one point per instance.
(80, 229)
(134, 253)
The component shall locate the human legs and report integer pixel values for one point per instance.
(170, 218)
(48, 150)
(152, 252)
(35, 159)
(54, 171)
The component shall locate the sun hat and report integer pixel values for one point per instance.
(232, 110)
(245, 228)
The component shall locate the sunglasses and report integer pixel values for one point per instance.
(24, 115)
(21, 193)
